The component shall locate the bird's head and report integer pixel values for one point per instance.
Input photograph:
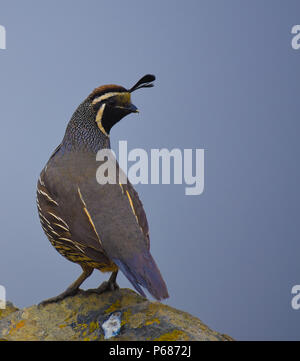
(112, 102)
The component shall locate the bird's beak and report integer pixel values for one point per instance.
(132, 108)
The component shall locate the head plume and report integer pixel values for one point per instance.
(144, 82)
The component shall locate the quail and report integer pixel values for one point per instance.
(95, 224)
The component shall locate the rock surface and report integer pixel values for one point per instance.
(120, 315)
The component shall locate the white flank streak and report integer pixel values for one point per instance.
(59, 219)
(47, 196)
(62, 227)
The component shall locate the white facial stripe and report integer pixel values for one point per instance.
(99, 119)
(105, 96)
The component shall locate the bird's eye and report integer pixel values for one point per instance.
(111, 101)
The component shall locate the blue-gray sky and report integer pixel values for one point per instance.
(228, 82)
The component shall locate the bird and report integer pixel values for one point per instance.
(98, 226)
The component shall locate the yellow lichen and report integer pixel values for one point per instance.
(172, 336)
(150, 322)
(20, 324)
(93, 326)
(115, 306)
(71, 315)
(136, 320)
(126, 317)
(152, 309)
(17, 326)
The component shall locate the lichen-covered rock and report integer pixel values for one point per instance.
(118, 315)
(10, 308)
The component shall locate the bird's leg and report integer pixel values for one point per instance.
(110, 285)
(73, 288)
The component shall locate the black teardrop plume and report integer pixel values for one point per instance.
(144, 82)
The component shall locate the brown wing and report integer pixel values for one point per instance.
(137, 209)
(59, 228)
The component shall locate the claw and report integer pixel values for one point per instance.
(61, 296)
(104, 287)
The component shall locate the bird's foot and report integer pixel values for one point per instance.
(104, 287)
(63, 295)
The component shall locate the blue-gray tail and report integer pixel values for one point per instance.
(141, 270)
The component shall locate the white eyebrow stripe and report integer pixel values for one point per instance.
(105, 96)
